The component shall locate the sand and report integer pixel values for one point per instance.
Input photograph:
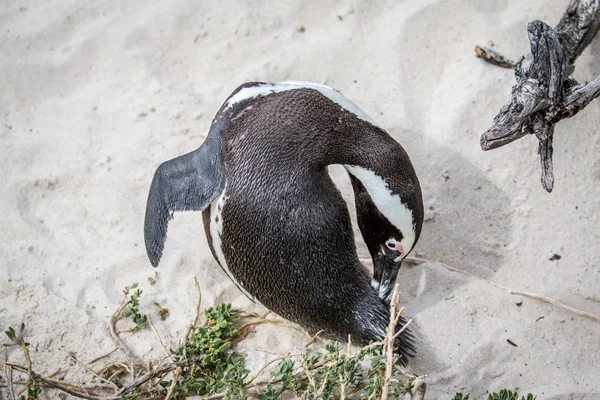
(94, 96)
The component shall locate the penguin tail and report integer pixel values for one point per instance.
(374, 327)
(404, 345)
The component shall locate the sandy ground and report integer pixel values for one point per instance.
(94, 96)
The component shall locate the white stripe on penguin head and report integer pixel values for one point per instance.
(388, 204)
(265, 89)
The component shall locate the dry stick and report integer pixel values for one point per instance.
(305, 366)
(132, 370)
(246, 329)
(91, 371)
(147, 376)
(9, 383)
(548, 300)
(398, 314)
(176, 375)
(103, 356)
(340, 376)
(22, 383)
(91, 386)
(215, 396)
(421, 388)
(75, 393)
(158, 337)
(312, 339)
(64, 386)
(113, 330)
(27, 357)
(198, 303)
(83, 388)
(389, 342)
(267, 351)
(120, 368)
(55, 373)
(119, 372)
(403, 327)
(545, 299)
(260, 371)
(493, 57)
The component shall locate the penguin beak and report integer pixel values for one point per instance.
(385, 272)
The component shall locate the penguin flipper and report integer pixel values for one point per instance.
(186, 183)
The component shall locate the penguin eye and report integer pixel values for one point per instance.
(393, 244)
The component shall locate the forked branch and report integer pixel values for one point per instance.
(545, 92)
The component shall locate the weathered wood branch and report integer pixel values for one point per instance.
(545, 92)
(578, 26)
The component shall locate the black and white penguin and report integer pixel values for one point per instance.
(275, 221)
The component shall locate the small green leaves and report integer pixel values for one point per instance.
(16, 339)
(503, 394)
(214, 368)
(271, 393)
(506, 394)
(34, 390)
(206, 365)
(335, 374)
(12, 335)
(284, 376)
(133, 304)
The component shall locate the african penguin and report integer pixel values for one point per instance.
(275, 221)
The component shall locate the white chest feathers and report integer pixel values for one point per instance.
(216, 233)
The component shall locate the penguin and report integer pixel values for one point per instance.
(275, 221)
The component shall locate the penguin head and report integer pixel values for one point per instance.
(386, 264)
(389, 209)
(390, 228)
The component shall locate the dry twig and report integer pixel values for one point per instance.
(176, 376)
(104, 355)
(198, 304)
(388, 346)
(160, 342)
(493, 57)
(113, 329)
(8, 372)
(545, 299)
(91, 371)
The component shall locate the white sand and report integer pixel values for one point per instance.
(94, 96)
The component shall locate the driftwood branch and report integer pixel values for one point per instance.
(545, 93)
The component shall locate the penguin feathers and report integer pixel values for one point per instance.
(276, 222)
(187, 183)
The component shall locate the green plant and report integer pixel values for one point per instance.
(12, 335)
(33, 380)
(214, 367)
(503, 394)
(506, 394)
(34, 390)
(205, 364)
(133, 304)
(335, 374)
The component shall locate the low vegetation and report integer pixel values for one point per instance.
(206, 364)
